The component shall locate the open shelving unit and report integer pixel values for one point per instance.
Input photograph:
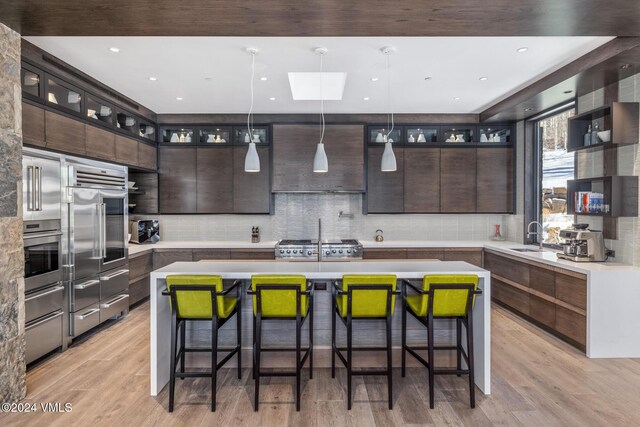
(620, 118)
(620, 194)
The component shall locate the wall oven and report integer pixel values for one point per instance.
(42, 254)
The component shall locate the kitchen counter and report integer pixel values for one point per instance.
(135, 249)
(322, 271)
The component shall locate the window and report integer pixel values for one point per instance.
(556, 167)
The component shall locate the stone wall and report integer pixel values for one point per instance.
(12, 366)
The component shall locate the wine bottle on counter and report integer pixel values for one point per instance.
(587, 137)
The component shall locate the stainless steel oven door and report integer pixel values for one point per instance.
(42, 259)
(114, 220)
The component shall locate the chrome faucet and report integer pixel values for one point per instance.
(537, 233)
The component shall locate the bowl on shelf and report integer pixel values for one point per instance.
(604, 135)
(130, 184)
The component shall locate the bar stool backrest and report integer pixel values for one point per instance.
(367, 303)
(194, 304)
(279, 302)
(450, 302)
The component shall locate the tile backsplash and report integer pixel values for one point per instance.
(296, 216)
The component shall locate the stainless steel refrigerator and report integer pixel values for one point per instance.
(97, 254)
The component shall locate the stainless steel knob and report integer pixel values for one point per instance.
(333, 251)
(288, 251)
(295, 251)
(281, 251)
(348, 251)
(340, 251)
(309, 253)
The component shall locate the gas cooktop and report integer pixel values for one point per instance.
(309, 250)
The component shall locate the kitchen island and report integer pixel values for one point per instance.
(319, 272)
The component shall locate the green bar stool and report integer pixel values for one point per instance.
(281, 297)
(197, 298)
(361, 297)
(441, 297)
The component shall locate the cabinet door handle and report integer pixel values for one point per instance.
(86, 285)
(38, 192)
(88, 313)
(113, 301)
(48, 292)
(46, 319)
(30, 194)
(116, 274)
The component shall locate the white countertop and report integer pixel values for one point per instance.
(547, 256)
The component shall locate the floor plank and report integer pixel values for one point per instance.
(537, 380)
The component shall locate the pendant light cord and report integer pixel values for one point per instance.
(389, 99)
(253, 71)
(321, 100)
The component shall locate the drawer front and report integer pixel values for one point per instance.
(425, 254)
(85, 319)
(113, 282)
(572, 325)
(571, 290)
(162, 258)
(85, 292)
(507, 268)
(140, 265)
(114, 306)
(510, 296)
(542, 280)
(252, 254)
(472, 256)
(542, 310)
(38, 304)
(43, 336)
(138, 290)
(208, 254)
(384, 254)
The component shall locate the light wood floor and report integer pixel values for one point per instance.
(537, 381)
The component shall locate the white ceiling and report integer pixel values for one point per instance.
(212, 74)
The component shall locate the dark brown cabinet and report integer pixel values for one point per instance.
(425, 254)
(147, 156)
(126, 150)
(251, 190)
(379, 253)
(164, 257)
(100, 143)
(385, 190)
(457, 180)
(422, 180)
(64, 134)
(140, 266)
(470, 255)
(177, 180)
(214, 180)
(294, 147)
(550, 297)
(33, 125)
(494, 179)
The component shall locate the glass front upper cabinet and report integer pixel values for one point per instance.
(177, 135)
(215, 135)
(127, 122)
(378, 134)
(31, 82)
(63, 95)
(98, 109)
(259, 135)
(498, 134)
(459, 135)
(421, 135)
(147, 131)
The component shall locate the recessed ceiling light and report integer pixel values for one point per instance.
(264, 79)
(179, 98)
(457, 98)
(522, 49)
(528, 109)
(208, 79)
(272, 99)
(114, 49)
(366, 98)
(567, 91)
(428, 78)
(483, 78)
(153, 79)
(374, 79)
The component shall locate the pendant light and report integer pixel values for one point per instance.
(251, 161)
(320, 161)
(388, 163)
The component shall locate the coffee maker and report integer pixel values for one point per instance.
(582, 245)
